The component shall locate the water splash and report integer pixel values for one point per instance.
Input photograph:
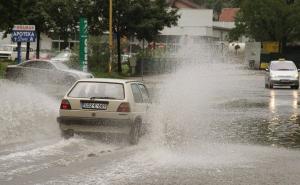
(26, 115)
(185, 112)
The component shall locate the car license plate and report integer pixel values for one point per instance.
(94, 105)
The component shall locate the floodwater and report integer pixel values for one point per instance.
(212, 122)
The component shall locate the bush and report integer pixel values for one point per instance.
(3, 65)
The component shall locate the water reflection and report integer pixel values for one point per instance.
(276, 124)
(283, 125)
(273, 103)
(295, 100)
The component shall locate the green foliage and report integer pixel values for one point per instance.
(141, 18)
(268, 20)
(3, 64)
(217, 5)
(138, 18)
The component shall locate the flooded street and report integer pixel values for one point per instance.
(236, 132)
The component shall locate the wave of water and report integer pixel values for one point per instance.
(186, 110)
(26, 115)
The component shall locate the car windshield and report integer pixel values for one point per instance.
(98, 90)
(283, 66)
(60, 65)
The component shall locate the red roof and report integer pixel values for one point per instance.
(184, 4)
(228, 14)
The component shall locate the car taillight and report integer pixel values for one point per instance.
(65, 105)
(124, 107)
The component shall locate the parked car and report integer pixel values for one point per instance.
(282, 73)
(45, 54)
(10, 52)
(105, 106)
(44, 71)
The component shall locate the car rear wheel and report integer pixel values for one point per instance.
(67, 134)
(134, 134)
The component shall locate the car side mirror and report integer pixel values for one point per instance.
(267, 69)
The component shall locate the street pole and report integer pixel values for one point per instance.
(19, 59)
(110, 37)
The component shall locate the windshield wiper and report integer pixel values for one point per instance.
(102, 97)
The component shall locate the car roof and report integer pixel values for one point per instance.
(108, 80)
(279, 61)
(33, 60)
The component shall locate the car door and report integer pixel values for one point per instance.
(26, 72)
(138, 106)
(141, 98)
(42, 71)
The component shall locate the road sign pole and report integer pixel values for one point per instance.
(19, 53)
(27, 50)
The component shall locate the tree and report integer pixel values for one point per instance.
(49, 16)
(26, 12)
(140, 18)
(268, 20)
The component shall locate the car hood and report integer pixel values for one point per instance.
(59, 59)
(79, 73)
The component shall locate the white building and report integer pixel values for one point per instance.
(193, 22)
(198, 23)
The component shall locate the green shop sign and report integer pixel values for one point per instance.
(83, 48)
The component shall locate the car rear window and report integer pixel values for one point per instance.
(98, 90)
(283, 66)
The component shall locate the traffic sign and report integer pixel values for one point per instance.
(23, 36)
(23, 33)
(24, 28)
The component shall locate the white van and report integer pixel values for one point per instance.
(282, 73)
(10, 52)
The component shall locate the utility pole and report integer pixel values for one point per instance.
(110, 37)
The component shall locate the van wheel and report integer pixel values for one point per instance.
(295, 87)
(271, 86)
(134, 134)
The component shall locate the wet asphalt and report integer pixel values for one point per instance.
(253, 138)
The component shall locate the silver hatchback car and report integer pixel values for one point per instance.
(105, 106)
(282, 73)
